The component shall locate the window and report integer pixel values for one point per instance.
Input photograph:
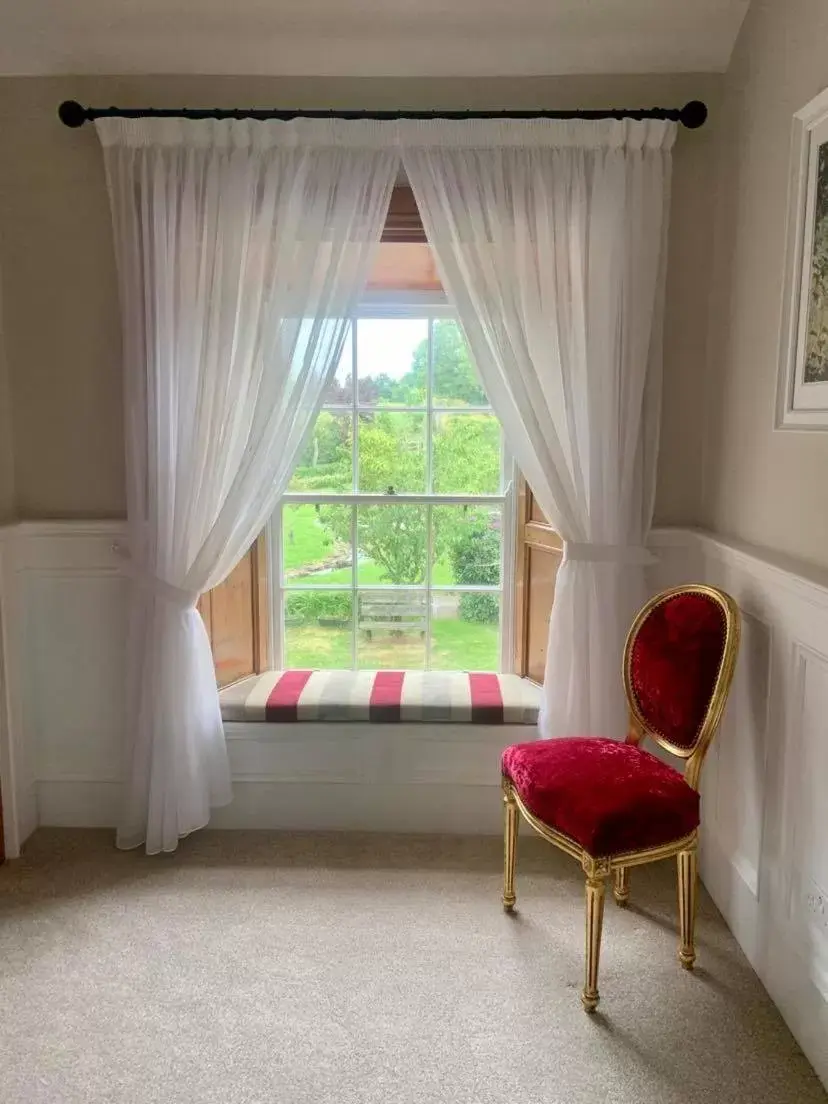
(398, 543)
(394, 539)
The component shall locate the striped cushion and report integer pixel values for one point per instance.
(453, 697)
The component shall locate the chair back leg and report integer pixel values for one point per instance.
(621, 889)
(687, 878)
(594, 924)
(510, 831)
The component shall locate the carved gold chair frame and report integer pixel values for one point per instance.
(598, 868)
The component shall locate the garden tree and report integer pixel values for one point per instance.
(466, 451)
(392, 455)
(371, 389)
(466, 459)
(391, 452)
(475, 558)
(455, 378)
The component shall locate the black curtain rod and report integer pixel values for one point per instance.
(73, 114)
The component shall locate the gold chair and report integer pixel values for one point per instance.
(612, 805)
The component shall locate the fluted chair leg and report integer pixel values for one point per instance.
(621, 889)
(594, 924)
(510, 830)
(687, 878)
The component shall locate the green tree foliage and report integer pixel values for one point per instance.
(391, 453)
(455, 379)
(475, 557)
(392, 459)
(466, 454)
(816, 353)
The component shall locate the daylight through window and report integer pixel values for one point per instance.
(390, 540)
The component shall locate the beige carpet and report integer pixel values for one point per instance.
(261, 968)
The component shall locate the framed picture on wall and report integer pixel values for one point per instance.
(802, 396)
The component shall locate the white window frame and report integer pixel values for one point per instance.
(414, 305)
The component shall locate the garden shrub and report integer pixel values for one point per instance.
(475, 558)
(310, 605)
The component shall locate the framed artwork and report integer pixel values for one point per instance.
(802, 395)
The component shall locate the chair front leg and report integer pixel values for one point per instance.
(510, 830)
(594, 924)
(687, 878)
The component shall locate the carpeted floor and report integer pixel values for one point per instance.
(257, 968)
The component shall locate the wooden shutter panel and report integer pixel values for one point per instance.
(235, 614)
(539, 555)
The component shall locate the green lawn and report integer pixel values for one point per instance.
(369, 574)
(305, 543)
(455, 645)
(304, 540)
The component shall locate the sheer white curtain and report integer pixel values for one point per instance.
(551, 241)
(241, 248)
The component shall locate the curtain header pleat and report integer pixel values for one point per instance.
(264, 134)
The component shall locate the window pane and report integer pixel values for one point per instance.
(392, 361)
(316, 545)
(465, 631)
(326, 465)
(318, 628)
(455, 377)
(392, 453)
(391, 545)
(466, 454)
(466, 545)
(391, 630)
(341, 388)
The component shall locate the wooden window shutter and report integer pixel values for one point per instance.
(236, 616)
(538, 556)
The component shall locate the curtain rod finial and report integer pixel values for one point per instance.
(694, 114)
(72, 114)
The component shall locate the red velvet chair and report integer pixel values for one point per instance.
(613, 805)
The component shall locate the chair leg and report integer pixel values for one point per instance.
(594, 923)
(687, 906)
(621, 889)
(510, 831)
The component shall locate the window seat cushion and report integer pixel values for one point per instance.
(451, 697)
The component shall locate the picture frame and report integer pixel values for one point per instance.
(802, 389)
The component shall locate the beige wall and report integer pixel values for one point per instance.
(764, 486)
(59, 281)
(7, 499)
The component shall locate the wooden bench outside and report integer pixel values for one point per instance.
(393, 612)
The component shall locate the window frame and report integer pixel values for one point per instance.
(413, 305)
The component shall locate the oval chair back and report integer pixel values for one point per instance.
(679, 661)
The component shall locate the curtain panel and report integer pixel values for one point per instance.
(550, 238)
(241, 250)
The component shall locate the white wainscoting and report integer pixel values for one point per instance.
(765, 786)
(67, 628)
(764, 856)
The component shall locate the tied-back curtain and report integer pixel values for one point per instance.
(551, 242)
(241, 249)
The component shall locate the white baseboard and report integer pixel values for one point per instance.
(765, 844)
(300, 806)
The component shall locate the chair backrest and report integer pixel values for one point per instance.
(678, 665)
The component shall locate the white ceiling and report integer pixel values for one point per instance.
(367, 37)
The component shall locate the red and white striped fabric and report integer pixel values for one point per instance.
(451, 697)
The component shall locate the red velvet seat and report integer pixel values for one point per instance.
(612, 805)
(609, 797)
